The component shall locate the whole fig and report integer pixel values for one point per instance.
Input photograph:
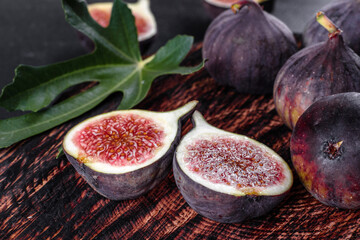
(325, 150)
(346, 15)
(246, 48)
(319, 70)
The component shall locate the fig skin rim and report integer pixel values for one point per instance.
(223, 207)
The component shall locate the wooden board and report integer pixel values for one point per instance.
(45, 198)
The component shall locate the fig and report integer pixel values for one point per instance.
(325, 150)
(246, 47)
(215, 7)
(319, 70)
(144, 21)
(346, 15)
(228, 177)
(123, 154)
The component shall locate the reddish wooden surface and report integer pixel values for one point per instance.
(45, 198)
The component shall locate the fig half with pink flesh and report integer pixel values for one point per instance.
(124, 154)
(144, 21)
(228, 177)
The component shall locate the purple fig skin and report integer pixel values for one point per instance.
(215, 11)
(132, 184)
(127, 185)
(319, 70)
(346, 15)
(246, 50)
(331, 175)
(222, 207)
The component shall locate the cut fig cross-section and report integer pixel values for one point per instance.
(144, 21)
(124, 154)
(228, 177)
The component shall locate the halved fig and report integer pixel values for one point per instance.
(215, 7)
(124, 154)
(228, 177)
(144, 21)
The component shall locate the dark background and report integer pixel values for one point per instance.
(35, 32)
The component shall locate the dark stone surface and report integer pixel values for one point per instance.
(36, 33)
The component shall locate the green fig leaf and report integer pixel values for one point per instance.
(115, 64)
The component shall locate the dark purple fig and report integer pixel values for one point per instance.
(325, 150)
(144, 21)
(228, 177)
(246, 48)
(319, 70)
(215, 7)
(124, 154)
(346, 15)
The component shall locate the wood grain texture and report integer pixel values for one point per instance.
(45, 198)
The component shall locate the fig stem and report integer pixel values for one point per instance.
(328, 24)
(181, 111)
(237, 6)
(198, 119)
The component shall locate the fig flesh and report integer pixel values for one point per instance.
(124, 154)
(346, 15)
(319, 70)
(325, 150)
(144, 21)
(228, 177)
(247, 48)
(215, 7)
